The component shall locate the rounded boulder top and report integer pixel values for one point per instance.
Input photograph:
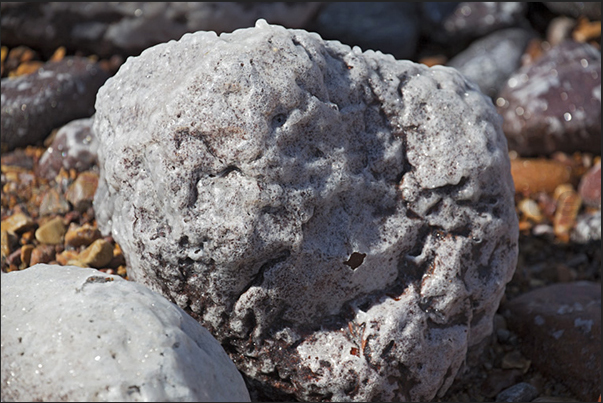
(77, 334)
(341, 221)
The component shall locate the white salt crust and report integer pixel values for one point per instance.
(77, 334)
(343, 222)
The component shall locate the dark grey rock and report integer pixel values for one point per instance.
(391, 27)
(127, 28)
(575, 9)
(59, 92)
(491, 60)
(520, 392)
(554, 104)
(343, 222)
(472, 20)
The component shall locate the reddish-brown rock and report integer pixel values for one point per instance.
(590, 187)
(554, 104)
(560, 328)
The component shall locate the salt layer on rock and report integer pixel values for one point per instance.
(343, 222)
(77, 334)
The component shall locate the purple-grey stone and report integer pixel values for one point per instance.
(74, 147)
(491, 60)
(59, 92)
(127, 28)
(554, 104)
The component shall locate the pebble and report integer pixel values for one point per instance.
(559, 30)
(73, 147)
(520, 392)
(471, 20)
(588, 227)
(67, 257)
(499, 379)
(490, 61)
(84, 235)
(560, 328)
(568, 205)
(17, 223)
(575, 9)
(554, 104)
(51, 232)
(18, 160)
(590, 187)
(42, 254)
(533, 175)
(53, 203)
(81, 192)
(515, 360)
(35, 104)
(109, 28)
(391, 27)
(26, 251)
(97, 255)
(531, 210)
(5, 244)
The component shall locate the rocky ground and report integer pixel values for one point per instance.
(47, 217)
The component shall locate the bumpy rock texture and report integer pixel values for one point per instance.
(341, 221)
(75, 334)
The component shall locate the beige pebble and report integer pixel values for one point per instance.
(52, 232)
(53, 203)
(26, 254)
(75, 262)
(533, 175)
(77, 236)
(5, 244)
(97, 255)
(568, 205)
(17, 222)
(81, 192)
(66, 256)
(531, 210)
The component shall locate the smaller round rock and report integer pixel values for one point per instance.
(77, 334)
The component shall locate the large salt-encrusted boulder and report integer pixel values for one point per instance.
(80, 335)
(343, 222)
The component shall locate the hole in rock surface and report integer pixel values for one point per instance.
(355, 260)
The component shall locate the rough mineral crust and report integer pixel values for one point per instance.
(77, 334)
(341, 221)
